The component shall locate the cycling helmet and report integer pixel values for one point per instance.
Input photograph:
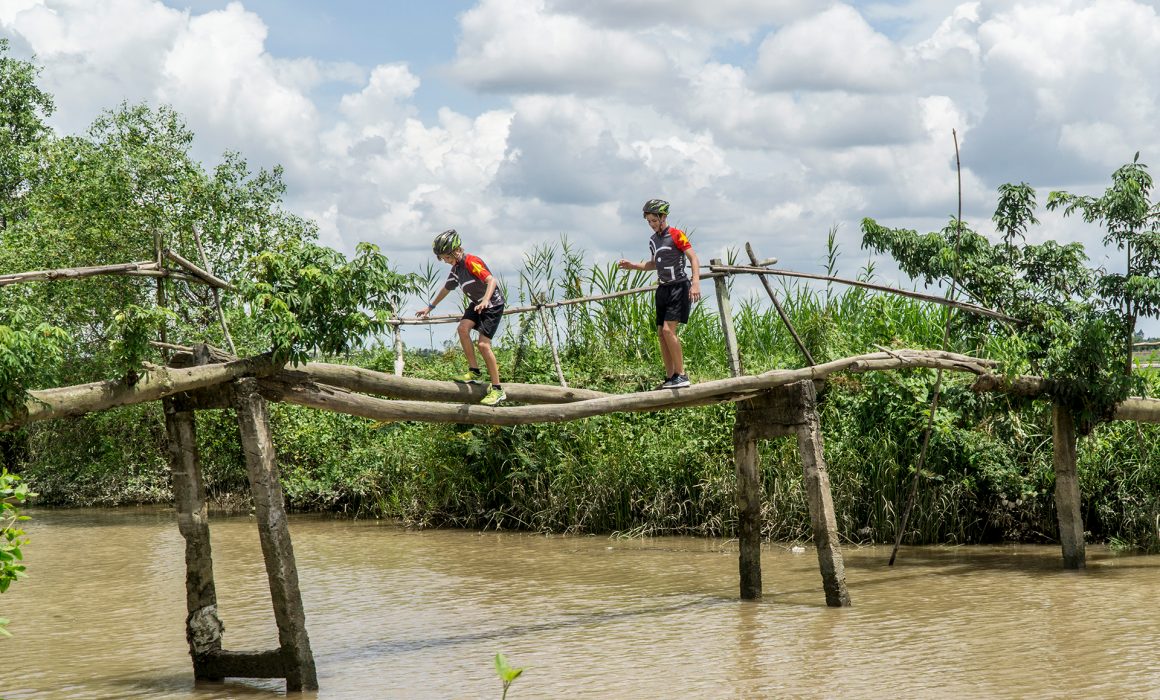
(656, 206)
(446, 242)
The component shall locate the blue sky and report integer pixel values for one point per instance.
(518, 121)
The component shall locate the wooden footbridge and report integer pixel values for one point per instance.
(769, 405)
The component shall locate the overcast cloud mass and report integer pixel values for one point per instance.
(516, 121)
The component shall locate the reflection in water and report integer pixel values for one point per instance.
(397, 613)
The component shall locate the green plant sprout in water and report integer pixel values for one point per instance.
(506, 673)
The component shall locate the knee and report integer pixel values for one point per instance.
(484, 343)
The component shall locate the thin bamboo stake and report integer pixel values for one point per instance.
(721, 285)
(552, 345)
(217, 297)
(918, 467)
(777, 305)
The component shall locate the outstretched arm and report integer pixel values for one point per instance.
(431, 306)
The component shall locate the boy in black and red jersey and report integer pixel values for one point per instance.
(677, 292)
(483, 313)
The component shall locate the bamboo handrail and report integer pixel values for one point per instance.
(209, 279)
(963, 306)
(78, 272)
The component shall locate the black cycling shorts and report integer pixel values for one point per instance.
(673, 302)
(487, 323)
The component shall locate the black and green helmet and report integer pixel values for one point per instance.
(446, 242)
(656, 206)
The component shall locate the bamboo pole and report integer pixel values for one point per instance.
(78, 272)
(733, 353)
(217, 297)
(777, 305)
(206, 277)
(961, 305)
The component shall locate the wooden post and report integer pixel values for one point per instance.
(727, 322)
(277, 550)
(748, 496)
(777, 305)
(821, 502)
(203, 627)
(399, 351)
(1067, 493)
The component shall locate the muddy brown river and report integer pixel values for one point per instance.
(394, 613)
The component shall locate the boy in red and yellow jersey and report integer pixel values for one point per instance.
(677, 292)
(483, 313)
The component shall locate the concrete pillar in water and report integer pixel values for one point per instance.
(821, 502)
(274, 533)
(203, 628)
(788, 410)
(1067, 493)
(748, 507)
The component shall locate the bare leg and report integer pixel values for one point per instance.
(489, 359)
(465, 326)
(666, 354)
(671, 346)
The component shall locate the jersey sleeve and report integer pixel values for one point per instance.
(452, 282)
(680, 240)
(477, 268)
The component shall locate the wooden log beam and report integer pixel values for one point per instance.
(327, 398)
(371, 382)
(157, 383)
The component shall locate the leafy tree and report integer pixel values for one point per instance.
(1131, 220)
(23, 107)
(1072, 328)
(306, 298)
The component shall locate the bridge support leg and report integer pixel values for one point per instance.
(748, 508)
(788, 410)
(821, 502)
(273, 531)
(1067, 493)
(203, 628)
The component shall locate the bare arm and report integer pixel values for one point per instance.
(695, 287)
(642, 265)
(431, 307)
(491, 283)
